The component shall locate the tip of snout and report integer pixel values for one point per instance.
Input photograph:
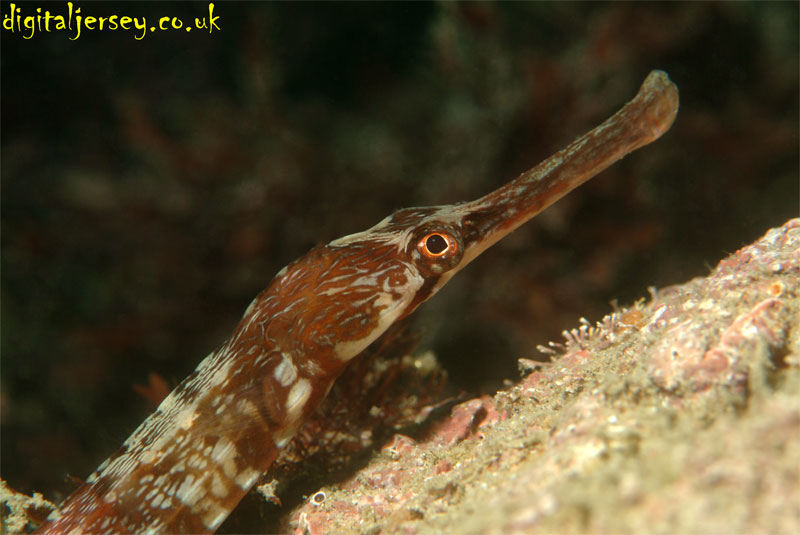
(661, 99)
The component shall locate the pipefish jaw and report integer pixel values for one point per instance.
(187, 466)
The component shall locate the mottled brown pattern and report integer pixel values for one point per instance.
(188, 465)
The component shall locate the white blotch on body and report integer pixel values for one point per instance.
(296, 399)
(218, 487)
(223, 455)
(186, 418)
(283, 436)
(389, 307)
(247, 477)
(214, 517)
(285, 372)
(189, 493)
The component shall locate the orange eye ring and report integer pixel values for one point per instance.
(436, 245)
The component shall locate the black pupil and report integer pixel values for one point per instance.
(436, 244)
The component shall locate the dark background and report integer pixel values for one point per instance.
(151, 188)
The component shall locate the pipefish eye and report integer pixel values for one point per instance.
(437, 245)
